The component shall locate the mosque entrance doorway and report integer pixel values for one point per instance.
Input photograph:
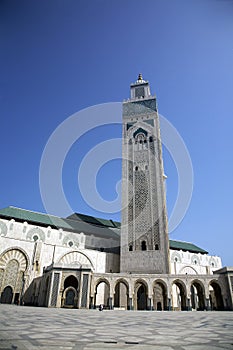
(70, 292)
(159, 296)
(7, 295)
(141, 296)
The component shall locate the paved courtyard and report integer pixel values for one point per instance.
(31, 328)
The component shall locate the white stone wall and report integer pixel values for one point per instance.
(193, 263)
(52, 245)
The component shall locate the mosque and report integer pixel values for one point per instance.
(83, 261)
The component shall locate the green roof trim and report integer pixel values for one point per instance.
(186, 246)
(83, 223)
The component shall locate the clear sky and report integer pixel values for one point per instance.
(58, 57)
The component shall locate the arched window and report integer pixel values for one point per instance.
(71, 281)
(130, 248)
(156, 247)
(35, 238)
(143, 245)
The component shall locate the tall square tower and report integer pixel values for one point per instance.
(144, 234)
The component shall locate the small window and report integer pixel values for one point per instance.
(136, 168)
(151, 139)
(130, 248)
(176, 259)
(35, 238)
(71, 243)
(143, 245)
(156, 247)
(146, 167)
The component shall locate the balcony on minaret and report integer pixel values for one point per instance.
(140, 89)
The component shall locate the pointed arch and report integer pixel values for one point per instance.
(15, 253)
(36, 232)
(140, 294)
(121, 294)
(215, 294)
(160, 295)
(179, 295)
(76, 258)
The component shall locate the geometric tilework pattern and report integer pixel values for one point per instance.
(55, 289)
(84, 291)
(15, 254)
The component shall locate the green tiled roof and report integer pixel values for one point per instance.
(67, 224)
(83, 223)
(31, 216)
(179, 245)
(93, 220)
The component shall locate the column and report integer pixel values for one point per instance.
(169, 307)
(110, 303)
(130, 303)
(149, 304)
(208, 308)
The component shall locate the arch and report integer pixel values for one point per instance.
(71, 281)
(160, 295)
(175, 257)
(215, 295)
(100, 280)
(121, 294)
(188, 270)
(102, 293)
(140, 294)
(7, 295)
(195, 260)
(179, 295)
(140, 132)
(212, 262)
(15, 253)
(71, 237)
(143, 245)
(197, 291)
(70, 292)
(76, 258)
(70, 298)
(36, 231)
(139, 125)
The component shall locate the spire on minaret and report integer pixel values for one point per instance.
(140, 76)
(140, 89)
(140, 79)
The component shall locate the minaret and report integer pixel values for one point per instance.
(144, 235)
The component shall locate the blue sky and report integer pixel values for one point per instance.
(58, 57)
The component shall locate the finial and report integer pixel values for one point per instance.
(140, 76)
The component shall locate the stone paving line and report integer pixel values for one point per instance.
(29, 328)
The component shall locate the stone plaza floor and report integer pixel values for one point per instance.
(28, 328)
